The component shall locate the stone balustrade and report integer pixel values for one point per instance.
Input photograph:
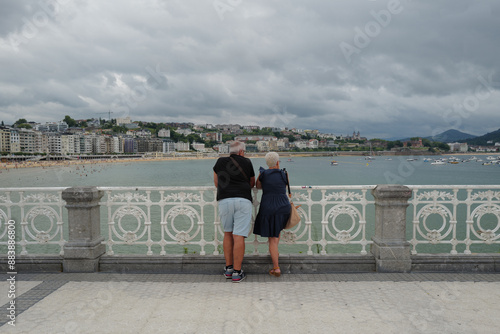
(385, 228)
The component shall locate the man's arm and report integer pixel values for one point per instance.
(252, 181)
(215, 179)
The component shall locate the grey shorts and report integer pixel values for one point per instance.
(236, 215)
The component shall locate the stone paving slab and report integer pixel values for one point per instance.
(21, 288)
(329, 303)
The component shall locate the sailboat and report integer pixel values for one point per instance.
(370, 157)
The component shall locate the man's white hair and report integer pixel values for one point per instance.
(272, 159)
(236, 146)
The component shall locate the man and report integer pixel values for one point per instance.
(234, 178)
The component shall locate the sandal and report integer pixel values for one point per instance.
(275, 273)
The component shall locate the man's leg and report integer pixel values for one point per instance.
(242, 221)
(228, 245)
(238, 251)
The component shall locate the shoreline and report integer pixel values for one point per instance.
(67, 163)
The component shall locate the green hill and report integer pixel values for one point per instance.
(451, 136)
(493, 137)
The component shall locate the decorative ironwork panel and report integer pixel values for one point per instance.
(161, 219)
(331, 216)
(38, 216)
(335, 219)
(457, 216)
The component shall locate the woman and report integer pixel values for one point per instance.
(274, 208)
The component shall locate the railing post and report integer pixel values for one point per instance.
(390, 247)
(84, 247)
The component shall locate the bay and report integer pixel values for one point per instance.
(303, 171)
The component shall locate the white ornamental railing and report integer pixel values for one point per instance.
(456, 216)
(335, 219)
(162, 218)
(38, 216)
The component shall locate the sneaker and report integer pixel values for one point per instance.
(238, 277)
(228, 272)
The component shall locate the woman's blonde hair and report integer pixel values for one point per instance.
(272, 159)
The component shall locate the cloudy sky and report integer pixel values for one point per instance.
(386, 68)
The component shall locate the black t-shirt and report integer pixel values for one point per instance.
(230, 181)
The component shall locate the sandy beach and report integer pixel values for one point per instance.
(67, 163)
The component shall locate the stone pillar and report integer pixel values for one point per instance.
(84, 247)
(390, 247)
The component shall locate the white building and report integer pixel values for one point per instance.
(184, 132)
(124, 120)
(27, 140)
(4, 140)
(67, 144)
(181, 146)
(301, 143)
(222, 148)
(168, 146)
(283, 143)
(85, 144)
(164, 133)
(115, 145)
(200, 147)
(15, 144)
(313, 143)
(144, 133)
(263, 146)
(54, 143)
(458, 147)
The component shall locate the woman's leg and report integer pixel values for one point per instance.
(273, 249)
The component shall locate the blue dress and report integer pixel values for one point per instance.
(274, 209)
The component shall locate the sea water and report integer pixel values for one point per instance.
(303, 171)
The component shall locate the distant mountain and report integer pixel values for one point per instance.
(451, 136)
(493, 137)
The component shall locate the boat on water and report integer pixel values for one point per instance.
(370, 157)
(438, 162)
(454, 162)
(334, 163)
(289, 160)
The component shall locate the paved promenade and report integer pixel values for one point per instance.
(316, 303)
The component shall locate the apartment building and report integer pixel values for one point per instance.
(54, 143)
(28, 141)
(15, 144)
(4, 140)
(67, 144)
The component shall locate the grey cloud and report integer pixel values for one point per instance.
(264, 62)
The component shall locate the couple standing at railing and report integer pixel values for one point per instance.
(234, 178)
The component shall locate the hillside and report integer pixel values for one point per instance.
(451, 136)
(494, 137)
